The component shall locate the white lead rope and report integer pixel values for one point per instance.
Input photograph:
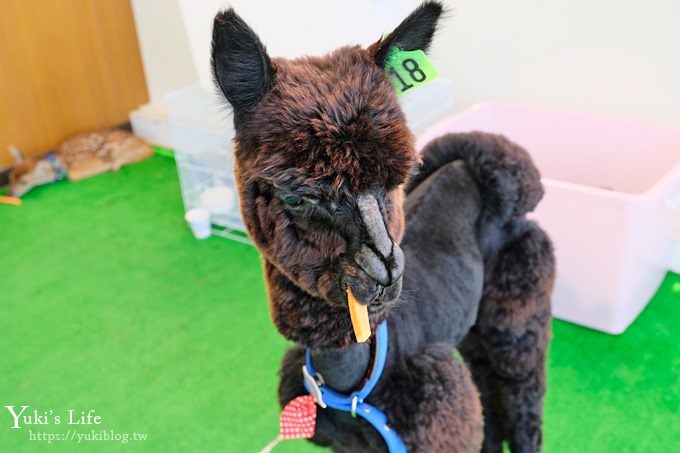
(270, 446)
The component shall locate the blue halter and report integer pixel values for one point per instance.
(354, 402)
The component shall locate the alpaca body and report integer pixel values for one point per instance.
(450, 254)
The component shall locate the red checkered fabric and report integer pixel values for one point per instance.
(298, 418)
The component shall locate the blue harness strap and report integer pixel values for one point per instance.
(354, 402)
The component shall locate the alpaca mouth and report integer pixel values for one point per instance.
(379, 298)
(373, 265)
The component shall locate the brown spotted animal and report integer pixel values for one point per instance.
(92, 153)
(322, 153)
(79, 157)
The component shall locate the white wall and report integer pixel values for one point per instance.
(615, 57)
(164, 47)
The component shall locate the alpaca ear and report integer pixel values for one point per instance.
(415, 32)
(240, 64)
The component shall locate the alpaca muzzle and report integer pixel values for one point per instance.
(380, 257)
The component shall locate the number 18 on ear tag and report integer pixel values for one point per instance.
(409, 69)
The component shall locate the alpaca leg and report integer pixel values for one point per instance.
(484, 378)
(431, 401)
(506, 347)
(523, 403)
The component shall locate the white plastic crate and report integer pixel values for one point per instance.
(428, 104)
(202, 134)
(611, 205)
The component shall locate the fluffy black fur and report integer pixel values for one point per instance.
(506, 347)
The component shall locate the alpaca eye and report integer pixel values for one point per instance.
(292, 200)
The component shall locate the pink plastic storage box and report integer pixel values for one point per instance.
(611, 205)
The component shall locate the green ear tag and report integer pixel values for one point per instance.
(409, 69)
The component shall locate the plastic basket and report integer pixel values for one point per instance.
(611, 205)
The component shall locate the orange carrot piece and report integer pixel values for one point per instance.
(358, 313)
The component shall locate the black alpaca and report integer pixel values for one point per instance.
(322, 149)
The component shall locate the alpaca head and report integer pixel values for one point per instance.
(321, 151)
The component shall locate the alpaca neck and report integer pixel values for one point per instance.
(342, 369)
(305, 319)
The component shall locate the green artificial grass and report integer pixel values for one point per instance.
(108, 303)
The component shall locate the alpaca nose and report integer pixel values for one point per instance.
(384, 270)
(381, 258)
